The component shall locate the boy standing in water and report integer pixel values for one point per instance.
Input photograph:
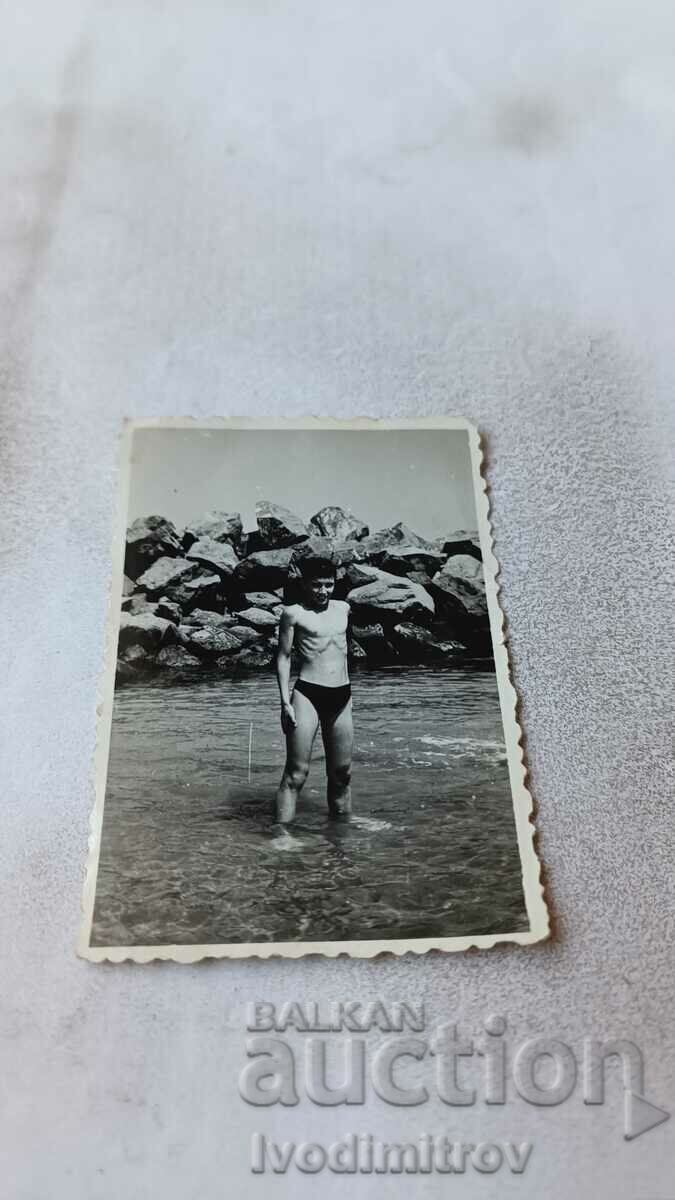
(317, 629)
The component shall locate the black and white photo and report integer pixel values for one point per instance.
(308, 739)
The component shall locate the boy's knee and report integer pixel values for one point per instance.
(341, 776)
(297, 774)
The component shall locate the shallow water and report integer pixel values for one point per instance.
(188, 854)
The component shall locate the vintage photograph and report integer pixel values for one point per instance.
(308, 739)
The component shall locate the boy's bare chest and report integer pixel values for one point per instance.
(326, 624)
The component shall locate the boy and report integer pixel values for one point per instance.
(317, 628)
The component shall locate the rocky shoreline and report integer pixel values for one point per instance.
(209, 597)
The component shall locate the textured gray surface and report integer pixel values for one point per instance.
(341, 209)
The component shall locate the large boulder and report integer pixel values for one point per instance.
(217, 526)
(462, 541)
(389, 599)
(139, 603)
(258, 618)
(461, 602)
(177, 657)
(338, 523)
(208, 642)
(144, 630)
(415, 644)
(278, 526)
(314, 547)
(372, 640)
(245, 634)
(358, 573)
(187, 584)
(460, 587)
(135, 655)
(203, 618)
(376, 545)
(420, 577)
(202, 591)
(217, 556)
(148, 539)
(264, 570)
(170, 611)
(270, 601)
(128, 586)
(253, 658)
(349, 551)
(165, 574)
(405, 559)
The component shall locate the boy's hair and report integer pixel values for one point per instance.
(314, 566)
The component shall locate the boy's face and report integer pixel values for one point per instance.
(319, 591)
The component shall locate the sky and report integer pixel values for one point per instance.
(421, 477)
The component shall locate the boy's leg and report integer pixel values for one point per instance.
(299, 743)
(338, 738)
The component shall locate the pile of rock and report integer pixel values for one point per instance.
(212, 594)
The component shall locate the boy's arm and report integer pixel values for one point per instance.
(350, 620)
(286, 631)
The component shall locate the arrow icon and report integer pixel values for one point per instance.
(639, 1115)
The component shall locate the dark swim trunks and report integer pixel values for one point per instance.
(328, 701)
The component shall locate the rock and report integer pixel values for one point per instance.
(374, 547)
(149, 539)
(208, 642)
(139, 603)
(463, 541)
(263, 571)
(125, 673)
(258, 618)
(461, 601)
(176, 657)
(267, 600)
(217, 526)
(372, 640)
(204, 591)
(460, 587)
(245, 635)
(358, 573)
(415, 644)
(217, 556)
(254, 658)
(128, 586)
(389, 598)
(314, 547)
(165, 574)
(405, 559)
(145, 630)
(125, 603)
(135, 655)
(420, 577)
(354, 650)
(349, 551)
(410, 538)
(367, 633)
(278, 526)
(250, 543)
(339, 523)
(202, 618)
(168, 610)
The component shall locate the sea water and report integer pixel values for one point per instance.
(189, 854)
